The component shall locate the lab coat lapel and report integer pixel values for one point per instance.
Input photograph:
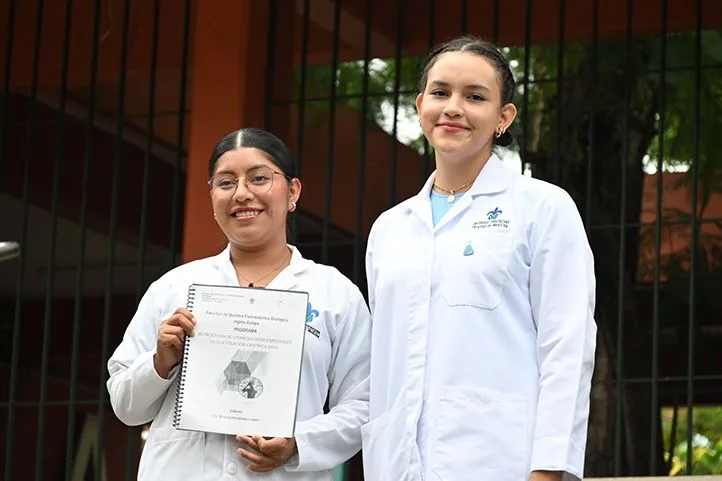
(420, 204)
(288, 278)
(225, 268)
(493, 178)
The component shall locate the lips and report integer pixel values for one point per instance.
(246, 213)
(450, 127)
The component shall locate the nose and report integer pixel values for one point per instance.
(242, 193)
(453, 106)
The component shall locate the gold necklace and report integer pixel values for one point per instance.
(251, 283)
(452, 192)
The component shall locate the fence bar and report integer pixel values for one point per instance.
(695, 228)
(147, 157)
(622, 263)
(654, 403)
(4, 100)
(328, 191)
(270, 63)
(80, 271)
(591, 152)
(556, 166)
(178, 173)
(17, 321)
(495, 23)
(132, 432)
(527, 71)
(117, 159)
(50, 276)
(432, 36)
(358, 253)
(301, 123)
(393, 163)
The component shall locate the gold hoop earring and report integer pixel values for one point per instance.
(293, 207)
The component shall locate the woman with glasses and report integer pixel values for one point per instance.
(252, 191)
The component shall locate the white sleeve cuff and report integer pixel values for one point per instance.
(146, 375)
(295, 462)
(557, 454)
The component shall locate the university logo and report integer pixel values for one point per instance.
(493, 221)
(493, 214)
(310, 314)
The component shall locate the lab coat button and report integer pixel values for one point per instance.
(231, 468)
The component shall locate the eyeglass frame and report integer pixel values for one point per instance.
(237, 179)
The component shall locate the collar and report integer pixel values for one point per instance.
(493, 178)
(287, 279)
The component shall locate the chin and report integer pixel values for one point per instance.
(449, 146)
(244, 236)
(453, 152)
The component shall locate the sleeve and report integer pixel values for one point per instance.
(329, 440)
(562, 291)
(136, 390)
(370, 272)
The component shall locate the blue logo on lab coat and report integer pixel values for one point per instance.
(493, 214)
(310, 313)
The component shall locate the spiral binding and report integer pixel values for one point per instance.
(182, 375)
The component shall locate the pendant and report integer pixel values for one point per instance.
(468, 250)
(451, 198)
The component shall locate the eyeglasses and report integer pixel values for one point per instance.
(257, 180)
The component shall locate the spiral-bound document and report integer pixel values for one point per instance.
(241, 369)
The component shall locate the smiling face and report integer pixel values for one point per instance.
(461, 107)
(256, 217)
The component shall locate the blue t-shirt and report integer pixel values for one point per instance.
(440, 205)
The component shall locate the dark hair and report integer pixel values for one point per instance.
(488, 51)
(276, 150)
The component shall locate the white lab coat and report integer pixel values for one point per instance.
(481, 364)
(334, 363)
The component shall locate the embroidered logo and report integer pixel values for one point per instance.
(493, 221)
(310, 314)
(493, 214)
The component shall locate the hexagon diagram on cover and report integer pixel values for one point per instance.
(242, 374)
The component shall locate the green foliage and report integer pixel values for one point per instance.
(706, 440)
(382, 79)
(706, 460)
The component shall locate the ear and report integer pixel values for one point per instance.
(419, 101)
(294, 190)
(508, 114)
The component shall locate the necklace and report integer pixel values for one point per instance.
(252, 283)
(452, 192)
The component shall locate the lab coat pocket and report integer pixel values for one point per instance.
(480, 434)
(381, 449)
(477, 272)
(171, 453)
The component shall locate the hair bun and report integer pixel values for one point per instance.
(504, 140)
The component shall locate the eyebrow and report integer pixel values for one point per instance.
(440, 83)
(230, 172)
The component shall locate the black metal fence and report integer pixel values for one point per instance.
(620, 103)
